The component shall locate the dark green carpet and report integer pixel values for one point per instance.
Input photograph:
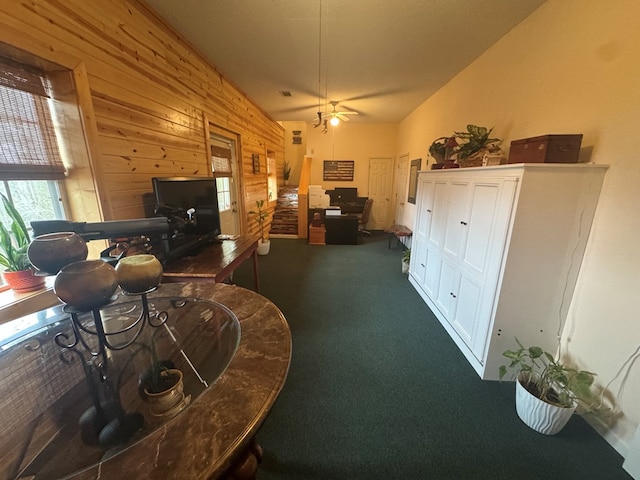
(377, 389)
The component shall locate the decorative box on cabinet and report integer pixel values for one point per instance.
(546, 149)
(497, 250)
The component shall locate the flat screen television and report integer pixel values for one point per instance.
(192, 203)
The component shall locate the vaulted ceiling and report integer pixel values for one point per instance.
(380, 58)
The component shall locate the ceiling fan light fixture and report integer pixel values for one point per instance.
(334, 121)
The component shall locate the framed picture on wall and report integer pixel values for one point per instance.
(338, 170)
(256, 162)
(413, 179)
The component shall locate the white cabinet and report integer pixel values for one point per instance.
(497, 250)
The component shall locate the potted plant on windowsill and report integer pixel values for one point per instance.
(548, 392)
(261, 216)
(14, 243)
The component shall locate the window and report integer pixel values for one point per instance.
(28, 143)
(34, 199)
(30, 161)
(223, 186)
(272, 176)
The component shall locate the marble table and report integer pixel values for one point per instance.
(213, 437)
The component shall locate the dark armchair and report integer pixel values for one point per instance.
(363, 218)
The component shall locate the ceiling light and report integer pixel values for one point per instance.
(285, 93)
(334, 121)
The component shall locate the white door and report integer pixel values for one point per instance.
(225, 168)
(380, 183)
(401, 187)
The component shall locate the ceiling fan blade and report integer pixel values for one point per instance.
(342, 117)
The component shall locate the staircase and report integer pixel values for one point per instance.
(285, 215)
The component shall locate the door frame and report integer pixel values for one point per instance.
(237, 177)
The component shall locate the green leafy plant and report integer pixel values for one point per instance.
(438, 149)
(406, 255)
(474, 140)
(14, 242)
(287, 170)
(261, 215)
(550, 380)
(159, 376)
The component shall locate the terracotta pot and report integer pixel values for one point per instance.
(23, 281)
(52, 251)
(139, 273)
(86, 285)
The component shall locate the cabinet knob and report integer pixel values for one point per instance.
(428, 210)
(452, 294)
(463, 223)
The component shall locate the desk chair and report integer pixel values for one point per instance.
(363, 218)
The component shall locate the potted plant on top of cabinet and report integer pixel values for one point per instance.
(18, 273)
(261, 215)
(548, 391)
(438, 148)
(473, 144)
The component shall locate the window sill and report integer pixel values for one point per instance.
(15, 305)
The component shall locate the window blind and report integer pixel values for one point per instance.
(221, 161)
(28, 144)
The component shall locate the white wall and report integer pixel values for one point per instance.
(573, 66)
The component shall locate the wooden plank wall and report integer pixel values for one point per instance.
(150, 93)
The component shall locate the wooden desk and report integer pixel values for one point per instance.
(215, 262)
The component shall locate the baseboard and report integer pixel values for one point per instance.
(282, 235)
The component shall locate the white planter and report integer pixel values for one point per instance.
(405, 266)
(538, 415)
(263, 247)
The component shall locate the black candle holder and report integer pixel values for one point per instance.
(81, 333)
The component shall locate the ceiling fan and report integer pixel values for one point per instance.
(333, 116)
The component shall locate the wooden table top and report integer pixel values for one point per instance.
(203, 440)
(213, 262)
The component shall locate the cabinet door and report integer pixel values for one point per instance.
(455, 226)
(439, 212)
(417, 266)
(445, 297)
(485, 223)
(428, 228)
(479, 224)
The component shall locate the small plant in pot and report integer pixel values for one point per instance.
(438, 148)
(14, 244)
(406, 258)
(473, 144)
(286, 172)
(261, 216)
(548, 392)
(162, 386)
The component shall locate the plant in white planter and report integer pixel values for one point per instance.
(261, 216)
(548, 391)
(406, 258)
